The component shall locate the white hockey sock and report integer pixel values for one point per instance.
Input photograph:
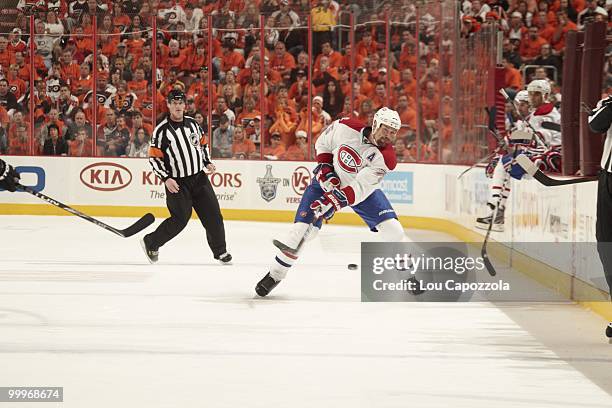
(284, 260)
(500, 186)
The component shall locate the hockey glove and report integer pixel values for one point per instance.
(329, 203)
(327, 177)
(9, 178)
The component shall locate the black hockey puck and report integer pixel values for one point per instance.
(352, 267)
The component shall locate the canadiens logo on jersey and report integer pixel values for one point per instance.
(348, 159)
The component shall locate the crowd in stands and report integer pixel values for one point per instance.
(273, 110)
(534, 35)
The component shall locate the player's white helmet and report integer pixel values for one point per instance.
(539, 85)
(388, 117)
(522, 96)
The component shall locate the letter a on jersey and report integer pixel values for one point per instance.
(348, 159)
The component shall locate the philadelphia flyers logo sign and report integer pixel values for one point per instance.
(348, 159)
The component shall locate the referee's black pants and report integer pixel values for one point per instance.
(194, 192)
(603, 228)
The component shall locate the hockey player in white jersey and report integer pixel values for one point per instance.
(539, 139)
(352, 160)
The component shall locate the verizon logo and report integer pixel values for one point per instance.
(106, 176)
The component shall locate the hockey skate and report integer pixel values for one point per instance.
(609, 332)
(266, 285)
(498, 223)
(152, 254)
(225, 258)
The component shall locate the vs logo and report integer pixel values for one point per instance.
(348, 159)
(300, 180)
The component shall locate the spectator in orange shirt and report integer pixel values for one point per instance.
(324, 75)
(408, 56)
(139, 84)
(175, 58)
(242, 148)
(70, 71)
(530, 46)
(408, 83)
(281, 61)
(24, 70)
(248, 113)
(407, 113)
(299, 150)
(299, 89)
(81, 146)
(563, 27)
(365, 86)
(15, 43)
(367, 46)
(19, 141)
(229, 60)
(513, 78)
(6, 56)
(402, 153)
(334, 57)
(380, 96)
(84, 43)
(276, 149)
(347, 58)
(16, 85)
(430, 102)
(139, 123)
(545, 27)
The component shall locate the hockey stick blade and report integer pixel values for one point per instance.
(487, 262)
(531, 169)
(135, 228)
(138, 226)
(294, 251)
(483, 251)
(284, 247)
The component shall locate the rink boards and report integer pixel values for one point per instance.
(425, 196)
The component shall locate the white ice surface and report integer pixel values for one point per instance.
(81, 308)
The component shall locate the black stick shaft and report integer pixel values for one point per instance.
(136, 227)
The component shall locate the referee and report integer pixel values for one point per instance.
(178, 158)
(599, 122)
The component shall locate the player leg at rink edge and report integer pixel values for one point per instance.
(353, 159)
(528, 136)
(8, 177)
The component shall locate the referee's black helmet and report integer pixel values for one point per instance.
(176, 95)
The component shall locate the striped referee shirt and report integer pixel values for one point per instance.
(599, 122)
(177, 149)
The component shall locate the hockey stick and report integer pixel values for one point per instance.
(500, 144)
(551, 126)
(483, 251)
(135, 228)
(481, 161)
(531, 169)
(294, 251)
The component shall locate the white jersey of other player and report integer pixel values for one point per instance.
(358, 163)
(546, 113)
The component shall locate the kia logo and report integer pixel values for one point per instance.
(106, 176)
